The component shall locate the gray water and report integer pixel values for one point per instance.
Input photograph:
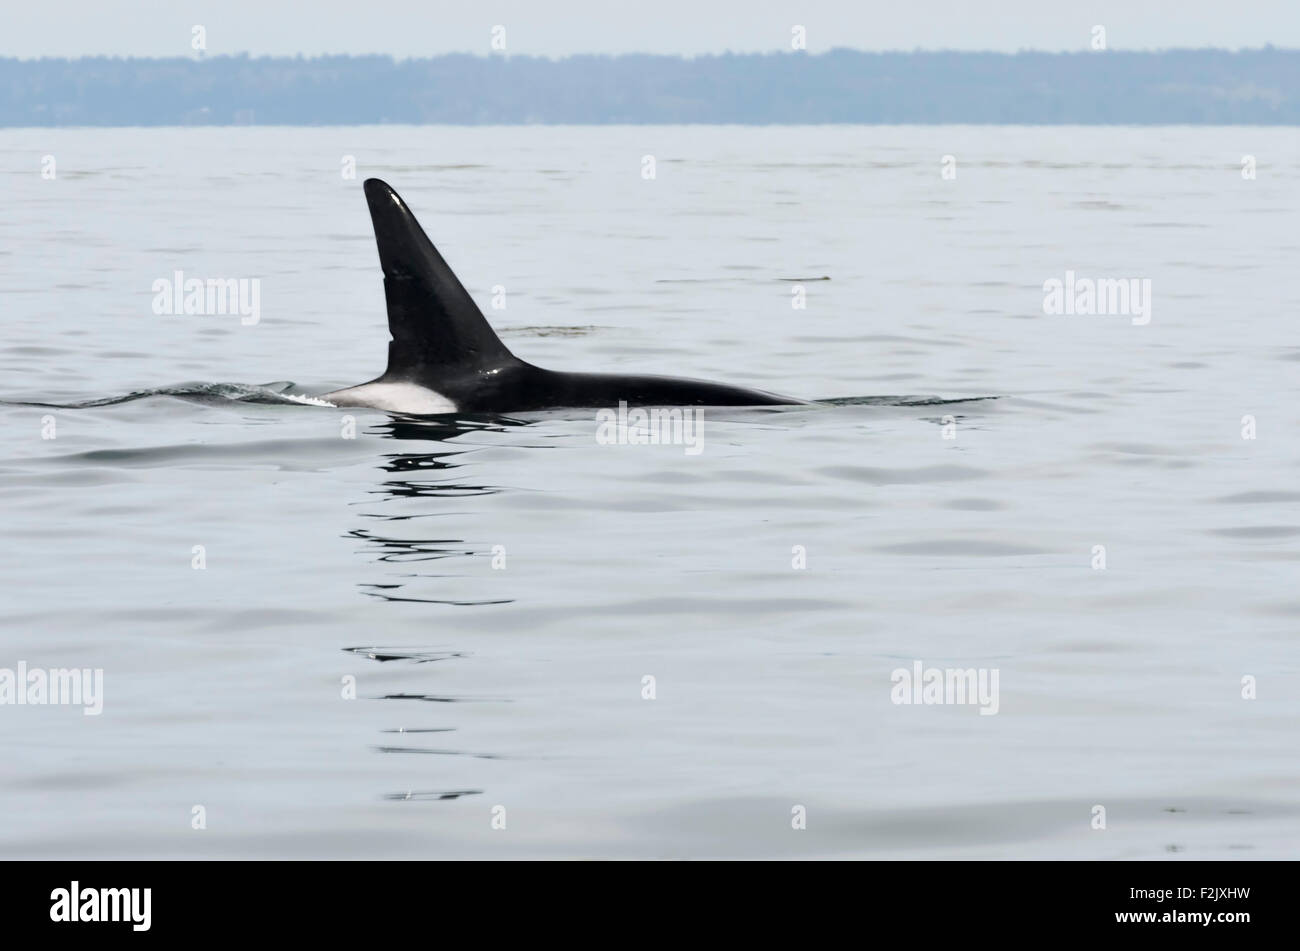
(515, 691)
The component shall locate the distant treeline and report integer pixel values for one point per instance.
(842, 86)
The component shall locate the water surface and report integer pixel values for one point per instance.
(370, 560)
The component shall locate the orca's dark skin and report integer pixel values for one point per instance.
(444, 357)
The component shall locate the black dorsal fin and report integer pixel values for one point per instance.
(438, 331)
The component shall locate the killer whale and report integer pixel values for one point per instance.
(445, 358)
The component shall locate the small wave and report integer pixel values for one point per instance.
(309, 400)
(580, 331)
(273, 393)
(902, 400)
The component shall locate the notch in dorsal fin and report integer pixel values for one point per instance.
(438, 331)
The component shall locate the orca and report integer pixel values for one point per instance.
(445, 358)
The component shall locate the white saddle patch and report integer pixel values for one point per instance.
(394, 397)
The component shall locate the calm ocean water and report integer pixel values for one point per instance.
(496, 592)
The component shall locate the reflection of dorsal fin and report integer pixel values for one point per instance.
(438, 331)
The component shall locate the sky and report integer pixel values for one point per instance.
(408, 28)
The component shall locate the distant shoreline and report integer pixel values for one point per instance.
(841, 87)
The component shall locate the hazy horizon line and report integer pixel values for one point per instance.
(840, 86)
(506, 55)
